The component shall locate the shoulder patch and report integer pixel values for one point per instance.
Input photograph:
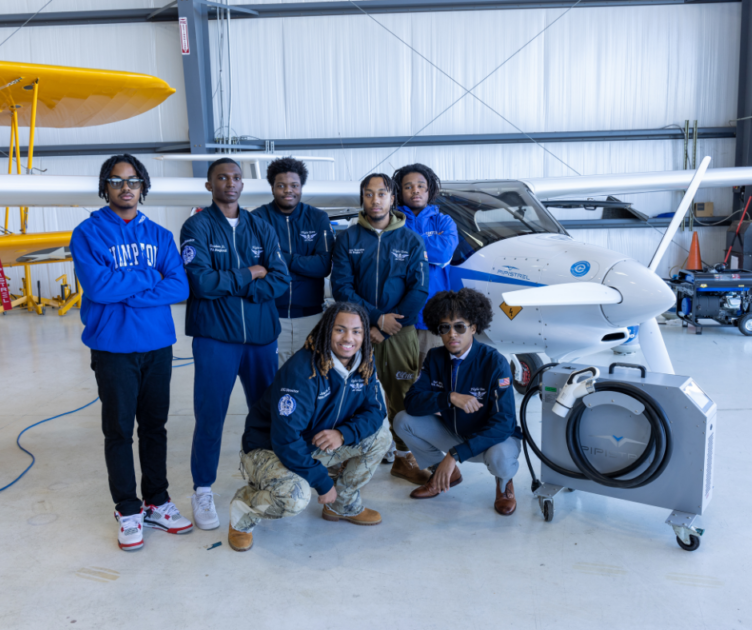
(189, 253)
(504, 382)
(286, 405)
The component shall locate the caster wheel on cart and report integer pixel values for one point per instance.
(684, 324)
(694, 543)
(547, 507)
(745, 324)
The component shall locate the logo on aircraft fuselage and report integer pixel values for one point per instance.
(511, 272)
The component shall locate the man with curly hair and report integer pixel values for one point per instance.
(461, 409)
(306, 238)
(417, 189)
(323, 410)
(130, 271)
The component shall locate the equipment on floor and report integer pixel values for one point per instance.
(722, 295)
(639, 436)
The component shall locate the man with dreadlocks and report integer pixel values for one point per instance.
(382, 266)
(324, 409)
(130, 271)
(462, 407)
(417, 189)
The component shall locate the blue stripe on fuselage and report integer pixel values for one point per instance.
(458, 274)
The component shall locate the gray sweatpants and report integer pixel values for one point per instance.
(293, 335)
(430, 440)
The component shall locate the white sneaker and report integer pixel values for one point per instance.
(167, 518)
(390, 454)
(204, 512)
(131, 531)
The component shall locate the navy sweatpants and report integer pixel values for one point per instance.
(218, 364)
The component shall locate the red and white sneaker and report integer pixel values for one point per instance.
(167, 518)
(131, 531)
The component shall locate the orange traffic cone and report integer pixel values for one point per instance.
(694, 262)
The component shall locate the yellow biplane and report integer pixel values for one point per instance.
(34, 95)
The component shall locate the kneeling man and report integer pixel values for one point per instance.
(465, 386)
(324, 409)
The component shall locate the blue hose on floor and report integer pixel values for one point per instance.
(67, 413)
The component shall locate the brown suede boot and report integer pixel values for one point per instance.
(240, 541)
(407, 468)
(428, 491)
(505, 503)
(366, 517)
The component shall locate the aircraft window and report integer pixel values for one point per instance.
(483, 219)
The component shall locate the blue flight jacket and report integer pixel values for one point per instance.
(130, 273)
(306, 239)
(485, 374)
(226, 304)
(295, 407)
(439, 234)
(384, 273)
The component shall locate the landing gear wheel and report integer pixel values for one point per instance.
(745, 324)
(530, 364)
(693, 544)
(547, 507)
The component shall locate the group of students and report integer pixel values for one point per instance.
(391, 372)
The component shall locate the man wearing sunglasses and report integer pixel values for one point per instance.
(131, 272)
(465, 387)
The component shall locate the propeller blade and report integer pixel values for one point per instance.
(654, 348)
(567, 294)
(668, 236)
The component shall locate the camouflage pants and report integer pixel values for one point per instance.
(275, 492)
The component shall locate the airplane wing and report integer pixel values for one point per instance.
(31, 249)
(77, 97)
(241, 156)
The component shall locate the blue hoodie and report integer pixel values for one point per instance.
(384, 272)
(296, 407)
(306, 239)
(226, 303)
(130, 274)
(439, 234)
(485, 374)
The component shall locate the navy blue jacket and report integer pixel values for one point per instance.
(384, 273)
(306, 239)
(295, 408)
(226, 304)
(440, 238)
(130, 273)
(485, 374)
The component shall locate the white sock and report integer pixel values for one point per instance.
(401, 453)
(203, 489)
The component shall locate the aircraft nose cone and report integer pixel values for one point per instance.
(644, 294)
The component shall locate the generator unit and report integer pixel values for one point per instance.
(628, 434)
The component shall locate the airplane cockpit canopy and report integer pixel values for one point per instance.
(484, 218)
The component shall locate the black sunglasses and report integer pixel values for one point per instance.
(134, 183)
(459, 328)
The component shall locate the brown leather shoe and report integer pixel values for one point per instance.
(407, 468)
(428, 491)
(366, 517)
(240, 541)
(505, 503)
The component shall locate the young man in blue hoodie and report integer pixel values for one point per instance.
(235, 271)
(324, 410)
(382, 266)
(462, 407)
(131, 272)
(306, 239)
(417, 189)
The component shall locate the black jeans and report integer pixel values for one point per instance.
(135, 386)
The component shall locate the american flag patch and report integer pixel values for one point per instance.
(504, 382)
(425, 255)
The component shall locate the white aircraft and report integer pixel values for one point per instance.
(556, 296)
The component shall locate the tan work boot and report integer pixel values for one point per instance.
(505, 503)
(366, 517)
(429, 491)
(407, 468)
(240, 541)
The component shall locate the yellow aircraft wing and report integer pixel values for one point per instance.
(30, 249)
(77, 97)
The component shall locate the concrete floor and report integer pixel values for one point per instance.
(449, 562)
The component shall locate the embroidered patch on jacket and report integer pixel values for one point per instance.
(286, 405)
(404, 376)
(425, 255)
(257, 251)
(308, 237)
(189, 253)
(504, 382)
(400, 255)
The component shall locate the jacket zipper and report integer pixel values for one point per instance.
(242, 307)
(455, 408)
(289, 241)
(341, 400)
(378, 252)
